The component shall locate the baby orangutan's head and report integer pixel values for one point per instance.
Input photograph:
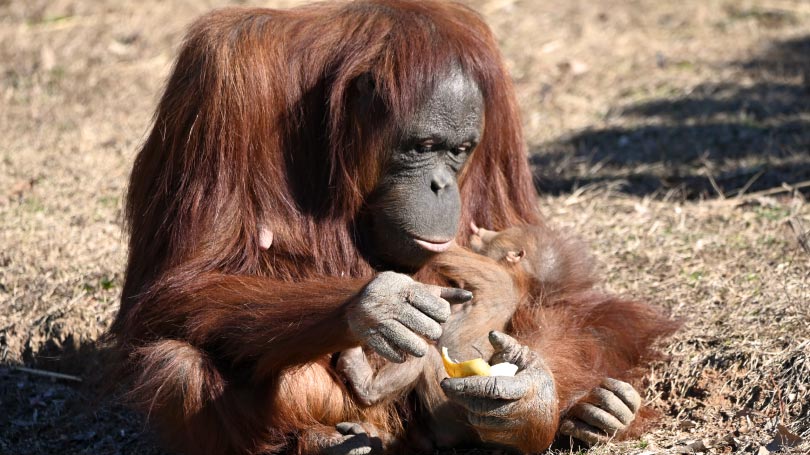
(551, 261)
(509, 245)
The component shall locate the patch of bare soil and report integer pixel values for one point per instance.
(673, 136)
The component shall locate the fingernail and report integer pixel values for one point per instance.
(451, 386)
(465, 295)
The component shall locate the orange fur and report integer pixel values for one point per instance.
(582, 334)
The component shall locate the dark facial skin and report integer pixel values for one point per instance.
(418, 202)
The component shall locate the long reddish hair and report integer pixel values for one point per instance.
(268, 137)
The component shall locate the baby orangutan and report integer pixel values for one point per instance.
(540, 286)
(495, 300)
(603, 341)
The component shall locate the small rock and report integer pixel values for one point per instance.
(690, 446)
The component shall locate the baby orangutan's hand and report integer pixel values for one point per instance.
(606, 411)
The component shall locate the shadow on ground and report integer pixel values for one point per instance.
(44, 414)
(721, 139)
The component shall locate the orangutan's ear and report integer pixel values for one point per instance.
(515, 256)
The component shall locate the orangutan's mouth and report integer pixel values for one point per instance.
(436, 247)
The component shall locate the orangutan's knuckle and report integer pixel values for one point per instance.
(419, 349)
(490, 387)
(434, 331)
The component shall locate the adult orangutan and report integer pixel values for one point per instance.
(362, 136)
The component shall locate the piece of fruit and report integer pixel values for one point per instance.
(503, 369)
(475, 367)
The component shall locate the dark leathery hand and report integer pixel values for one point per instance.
(498, 407)
(607, 410)
(394, 314)
(351, 438)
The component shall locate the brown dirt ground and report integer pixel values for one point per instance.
(673, 136)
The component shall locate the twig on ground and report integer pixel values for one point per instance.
(750, 182)
(776, 190)
(707, 171)
(48, 374)
(802, 235)
(716, 186)
(784, 188)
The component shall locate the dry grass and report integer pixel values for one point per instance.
(646, 120)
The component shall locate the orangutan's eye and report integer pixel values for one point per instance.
(426, 146)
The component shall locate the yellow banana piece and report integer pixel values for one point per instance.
(474, 367)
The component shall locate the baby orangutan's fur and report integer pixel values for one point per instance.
(541, 286)
(589, 340)
(495, 301)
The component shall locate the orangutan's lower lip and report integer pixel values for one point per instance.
(434, 247)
